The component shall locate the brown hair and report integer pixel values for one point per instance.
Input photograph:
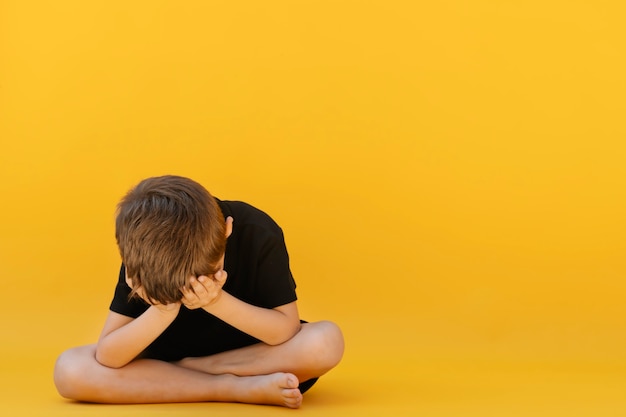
(168, 229)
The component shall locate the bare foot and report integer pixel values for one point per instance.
(274, 389)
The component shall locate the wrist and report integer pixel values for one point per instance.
(215, 301)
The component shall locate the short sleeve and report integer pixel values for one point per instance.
(121, 303)
(275, 283)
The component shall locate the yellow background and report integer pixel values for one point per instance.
(450, 177)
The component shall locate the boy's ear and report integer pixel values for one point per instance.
(229, 226)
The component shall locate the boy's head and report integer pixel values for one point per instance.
(168, 229)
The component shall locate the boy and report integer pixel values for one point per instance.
(204, 308)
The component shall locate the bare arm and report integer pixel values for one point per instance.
(271, 326)
(124, 338)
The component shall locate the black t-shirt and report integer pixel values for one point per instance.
(258, 270)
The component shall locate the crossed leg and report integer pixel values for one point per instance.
(258, 374)
(315, 350)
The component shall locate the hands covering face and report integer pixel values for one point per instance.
(203, 291)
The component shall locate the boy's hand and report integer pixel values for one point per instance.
(204, 290)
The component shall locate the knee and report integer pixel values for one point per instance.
(327, 344)
(69, 372)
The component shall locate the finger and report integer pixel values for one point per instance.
(200, 285)
(188, 294)
(188, 297)
(220, 276)
(229, 226)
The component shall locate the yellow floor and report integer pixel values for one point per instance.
(449, 175)
(374, 379)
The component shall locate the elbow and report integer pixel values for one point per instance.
(109, 363)
(103, 359)
(287, 334)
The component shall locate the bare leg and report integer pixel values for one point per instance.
(79, 376)
(316, 349)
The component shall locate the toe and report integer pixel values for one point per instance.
(292, 381)
(293, 398)
(291, 393)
